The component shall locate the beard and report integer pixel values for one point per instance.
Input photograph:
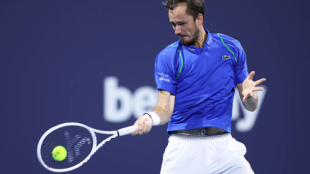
(192, 41)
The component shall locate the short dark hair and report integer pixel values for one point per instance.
(194, 7)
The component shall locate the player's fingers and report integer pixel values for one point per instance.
(142, 123)
(135, 133)
(251, 75)
(140, 130)
(260, 81)
(144, 128)
(244, 97)
(252, 94)
(148, 126)
(258, 89)
(139, 126)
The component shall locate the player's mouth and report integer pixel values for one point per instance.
(183, 37)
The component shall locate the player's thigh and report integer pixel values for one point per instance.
(237, 164)
(182, 156)
(241, 166)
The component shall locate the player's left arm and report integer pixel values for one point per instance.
(247, 92)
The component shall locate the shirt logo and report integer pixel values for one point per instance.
(191, 49)
(226, 57)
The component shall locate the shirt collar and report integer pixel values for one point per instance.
(209, 38)
(197, 50)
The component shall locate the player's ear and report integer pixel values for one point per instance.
(199, 19)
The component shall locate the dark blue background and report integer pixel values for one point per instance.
(55, 55)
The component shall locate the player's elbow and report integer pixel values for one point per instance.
(250, 105)
(251, 108)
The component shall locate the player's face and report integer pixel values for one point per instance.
(184, 25)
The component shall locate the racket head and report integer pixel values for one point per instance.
(79, 141)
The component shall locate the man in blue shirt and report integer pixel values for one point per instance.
(196, 77)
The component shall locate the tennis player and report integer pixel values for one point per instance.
(196, 78)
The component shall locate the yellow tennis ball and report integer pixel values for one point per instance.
(59, 153)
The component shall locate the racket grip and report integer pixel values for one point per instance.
(127, 130)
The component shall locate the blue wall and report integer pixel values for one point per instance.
(58, 59)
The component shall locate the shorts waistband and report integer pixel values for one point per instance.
(200, 131)
(201, 137)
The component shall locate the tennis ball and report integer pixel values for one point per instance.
(59, 153)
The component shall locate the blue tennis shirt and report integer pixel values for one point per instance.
(202, 80)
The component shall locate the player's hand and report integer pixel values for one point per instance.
(144, 124)
(249, 86)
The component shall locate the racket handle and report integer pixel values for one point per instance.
(127, 130)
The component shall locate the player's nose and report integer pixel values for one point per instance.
(177, 30)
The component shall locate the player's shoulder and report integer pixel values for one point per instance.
(170, 48)
(169, 51)
(220, 37)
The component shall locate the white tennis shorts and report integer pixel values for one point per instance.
(195, 154)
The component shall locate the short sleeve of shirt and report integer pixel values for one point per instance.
(165, 73)
(241, 70)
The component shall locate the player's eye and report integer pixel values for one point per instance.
(181, 23)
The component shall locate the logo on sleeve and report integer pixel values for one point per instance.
(163, 77)
(226, 57)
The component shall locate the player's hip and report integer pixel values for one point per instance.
(203, 154)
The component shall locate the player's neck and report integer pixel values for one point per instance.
(201, 39)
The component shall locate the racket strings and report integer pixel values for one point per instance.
(77, 141)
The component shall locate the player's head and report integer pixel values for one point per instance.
(186, 17)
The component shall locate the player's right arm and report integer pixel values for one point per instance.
(163, 109)
(165, 73)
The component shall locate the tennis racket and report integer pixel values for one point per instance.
(68, 146)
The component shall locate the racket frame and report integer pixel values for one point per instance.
(120, 132)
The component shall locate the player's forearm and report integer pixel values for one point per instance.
(251, 103)
(158, 116)
(164, 113)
